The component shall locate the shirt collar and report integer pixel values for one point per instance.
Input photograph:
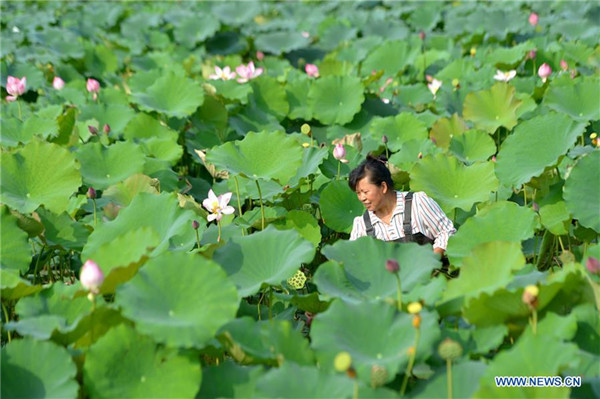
(397, 211)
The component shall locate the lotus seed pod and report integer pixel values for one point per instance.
(379, 376)
(297, 281)
(450, 349)
(392, 266)
(305, 129)
(416, 321)
(414, 307)
(91, 193)
(342, 361)
(530, 296)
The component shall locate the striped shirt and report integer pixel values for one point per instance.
(427, 218)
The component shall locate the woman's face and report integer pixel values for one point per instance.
(370, 194)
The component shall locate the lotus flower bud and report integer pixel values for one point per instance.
(449, 349)
(414, 307)
(535, 206)
(422, 35)
(260, 55)
(384, 138)
(392, 266)
(544, 71)
(379, 376)
(106, 128)
(530, 296)
(91, 276)
(58, 83)
(91, 193)
(532, 54)
(339, 152)
(420, 155)
(593, 265)
(15, 86)
(533, 19)
(92, 85)
(312, 70)
(342, 361)
(93, 130)
(563, 65)
(195, 225)
(305, 35)
(309, 318)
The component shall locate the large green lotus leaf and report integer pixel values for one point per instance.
(473, 146)
(160, 212)
(163, 149)
(267, 155)
(293, 380)
(361, 272)
(280, 41)
(304, 223)
(534, 145)
(267, 257)
(265, 342)
(115, 115)
(339, 206)
(556, 218)
(490, 109)
(451, 183)
(580, 100)
(37, 369)
(13, 133)
(500, 56)
(398, 129)
(195, 28)
(229, 380)
(103, 166)
(502, 221)
(125, 364)
(487, 268)
(312, 158)
(172, 95)
(532, 355)
(270, 96)
(125, 191)
(234, 15)
(38, 173)
(465, 381)
(62, 230)
(143, 126)
(336, 99)
(53, 312)
(175, 317)
(390, 56)
(232, 90)
(582, 191)
(12, 286)
(297, 94)
(411, 153)
(15, 252)
(379, 336)
(445, 129)
(37, 125)
(253, 119)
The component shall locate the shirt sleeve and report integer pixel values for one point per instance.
(358, 228)
(432, 221)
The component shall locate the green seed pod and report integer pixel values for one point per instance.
(297, 281)
(450, 349)
(379, 376)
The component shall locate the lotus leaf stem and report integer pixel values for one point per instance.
(595, 290)
(259, 301)
(355, 391)
(6, 321)
(339, 167)
(525, 195)
(534, 321)
(449, 376)
(219, 225)
(411, 362)
(399, 291)
(36, 271)
(237, 193)
(270, 302)
(197, 238)
(19, 108)
(95, 216)
(262, 208)
(92, 318)
(561, 244)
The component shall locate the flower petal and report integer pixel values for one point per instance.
(228, 210)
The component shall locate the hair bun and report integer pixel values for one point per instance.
(378, 158)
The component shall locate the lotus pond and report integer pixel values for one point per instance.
(184, 152)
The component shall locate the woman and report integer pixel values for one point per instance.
(388, 217)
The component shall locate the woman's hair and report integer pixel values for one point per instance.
(374, 168)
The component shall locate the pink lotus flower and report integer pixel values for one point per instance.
(260, 55)
(593, 265)
(544, 71)
(505, 76)
(91, 276)
(217, 206)
(16, 87)
(339, 153)
(92, 85)
(247, 72)
(563, 65)
(222, 74)
(533, 19)
(10, 99)
(312, 70)
(531, 55)
(58, 83)
(305, 35)
(434, 86)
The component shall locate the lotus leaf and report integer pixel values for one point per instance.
(452, 184)
(490, 225)
(555, 217)
(143, 126)
(339, 206)
(62, 230)
(126, 364)
(229, 380)
(490, 109)
(160, 212)
(582, 191)
(297, 94)
(392, 56)
(37, 174)
(270, 96)
(361, 271)
(487, 268)
(25, 376)
(15, 252)
(335, 99)
(398, 129)
(535, 145)
(269, 342)
(125, 191)
(234, 15)
(267, 155)
(379, 336)
(171, 95)
(580, 100)
(232, 90)
(173, 316)
(445, 129)
(465, 381)
(253, 218)
(411, 152)
(14, 287)
(302, 382)
(267, 257)
(489, 338)
(502, 56)
(281, 41)
(103, 166)
(193, 29)
(13, 133)
(253, 119)
(304, 223)
(472, 146)
(311, 160)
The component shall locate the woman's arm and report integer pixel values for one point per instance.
(434, 221)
